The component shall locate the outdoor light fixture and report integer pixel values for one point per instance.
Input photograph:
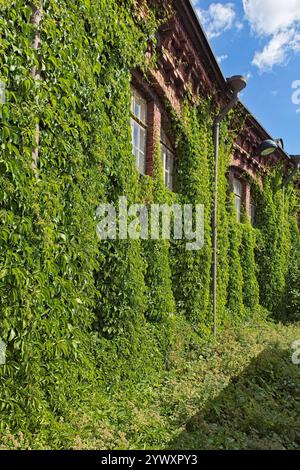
(267, 147)
(235, 84)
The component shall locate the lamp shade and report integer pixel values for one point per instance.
(267, 148)
(237, 83)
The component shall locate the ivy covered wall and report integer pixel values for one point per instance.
(79, 315)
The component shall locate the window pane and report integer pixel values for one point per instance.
(237, 187)
(163, 154)
(132, 102)
(139, 146)
(142, 145)
(139, 130)
(142, 151)
(139, 107)
(135, 133)
(165, 140)
(238, 205)
(252, 214)
(168, 164)
(238, 192)
(143, 111)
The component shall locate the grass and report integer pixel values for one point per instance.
(240, 392)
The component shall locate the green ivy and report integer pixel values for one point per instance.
(191, 269)
(250, 282)
(80, 316)
(274, 245)
(160, 297)
(235, 303)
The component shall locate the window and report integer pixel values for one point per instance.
(252, 211)
(167, 160)
(238, 193)
(139, 130)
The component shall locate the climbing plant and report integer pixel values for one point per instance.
(50, 301)
(78, 314)
(247, 252)
(235, 302)
(274, 243)
(191, 269)
(160, 304)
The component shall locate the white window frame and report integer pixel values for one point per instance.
(167, 160)
(252, 212)
(139, 128)
(238, 196)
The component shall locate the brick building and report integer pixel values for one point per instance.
(187, 65)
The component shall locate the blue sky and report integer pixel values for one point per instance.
(260, 39)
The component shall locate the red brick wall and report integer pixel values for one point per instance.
(186, 66)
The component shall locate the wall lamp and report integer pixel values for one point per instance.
(267, 147)
(235, 85)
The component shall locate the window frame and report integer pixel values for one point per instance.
(252, 211)
(167, 152)
(140, 154)
(238, 196)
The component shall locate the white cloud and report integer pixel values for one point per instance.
(221, 58)
(271, 16)
(278, 20)
(276, 52)
(295, 43)
(217, 19)
(239, 25)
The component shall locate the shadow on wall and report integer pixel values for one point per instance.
(259, 409)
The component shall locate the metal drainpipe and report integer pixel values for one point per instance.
(217, 122)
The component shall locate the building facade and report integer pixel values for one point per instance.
(187, 65)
